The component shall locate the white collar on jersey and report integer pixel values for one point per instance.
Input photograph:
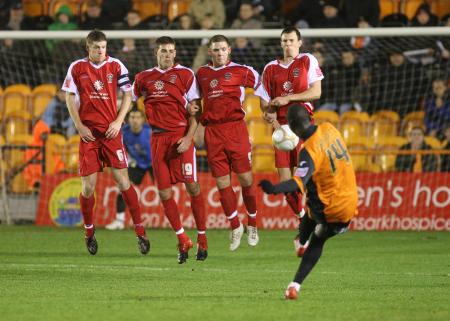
(229, 63)
(108, 59)
(290, 62)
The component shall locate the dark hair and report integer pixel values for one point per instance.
(164, 41)
(136, 110)
(95, 36)
(298, 117)
(292, 29)
(218, 38)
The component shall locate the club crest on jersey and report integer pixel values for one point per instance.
(213, 83)
(173, 79)
(296, 72)
(110, 78)
(287, 85)
(98, 85)
(159, 85)
(227, 76)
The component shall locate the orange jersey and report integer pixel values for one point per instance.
(325, 172)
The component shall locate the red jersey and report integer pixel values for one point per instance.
(95, 87)
(293, 78)
(223, 91)
(166, 94)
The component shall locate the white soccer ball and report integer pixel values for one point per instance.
(284, 138)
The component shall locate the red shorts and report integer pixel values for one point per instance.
(287, 159)
(228, 146)
(170, 167)
(101, 153)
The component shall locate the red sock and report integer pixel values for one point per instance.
(229, 205)
(131, 200)
(295, 202)
(87, 209)
(198, 209)
(171, 211)
(181, 235)
(248, 195)
(201, 239)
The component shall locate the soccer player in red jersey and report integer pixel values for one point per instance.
(167, 90)
(91, 96)
(296, 78)
(227, 141)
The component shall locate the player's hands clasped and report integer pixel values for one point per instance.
(267, 186)
(193, 108)
(113, 129)
(85, 134)
(279, 101)
(183, 144)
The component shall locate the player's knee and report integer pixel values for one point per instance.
(223, 182)
(246, 180)
(193, 189)
(165, 194)
(87, 189)
(321, 231)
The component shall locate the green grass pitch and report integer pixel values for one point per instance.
(46, 274)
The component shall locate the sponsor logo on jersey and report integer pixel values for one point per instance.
(302, 170)
(296, 72)
(287, 85)
(159, 85)
(98, 85)
(110, 78)
(63, 205)
(173, 79)
(213, 83)
(227, 76)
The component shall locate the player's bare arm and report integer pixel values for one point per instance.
(312, 93)
(186, 141)
(115, 126)
(84, 132)
(269, 113)
(194, 108)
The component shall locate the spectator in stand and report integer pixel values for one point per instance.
(437, 109)
(213, 8)
(354, 11)
(134, 21)
(330, 18)
(342, 83)
(116, 10)
(93, 17)
(132, 57)
(63, 22)
(201, 56)
(417, 163)
(424, 17)
(397, 84)
(56, 116)
(186, 48)
(17, 19)
(445, 159)
(247, 21)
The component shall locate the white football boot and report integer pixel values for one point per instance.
(235, 237)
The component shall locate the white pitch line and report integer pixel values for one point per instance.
(43, 266)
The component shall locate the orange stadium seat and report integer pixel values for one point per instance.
(362, 162)
(1, 103)
(19, 185)
(249, 91)
(410, 7)
(259, 129)
(263, 159)
(17, 123)
(176, 8)
(388, 7)
(440, 7)
(40, 97)
(15, 157)
(353, 123)
(252, 108)
(16, 98)
(54, 149)
(70, 157)
(387, 160)
(433, 142)
(148, 8)
(411, 120)
(140, 104)
(330, 116)
(384, 123)
(35, 8)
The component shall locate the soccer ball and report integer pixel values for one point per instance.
(284, 138)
